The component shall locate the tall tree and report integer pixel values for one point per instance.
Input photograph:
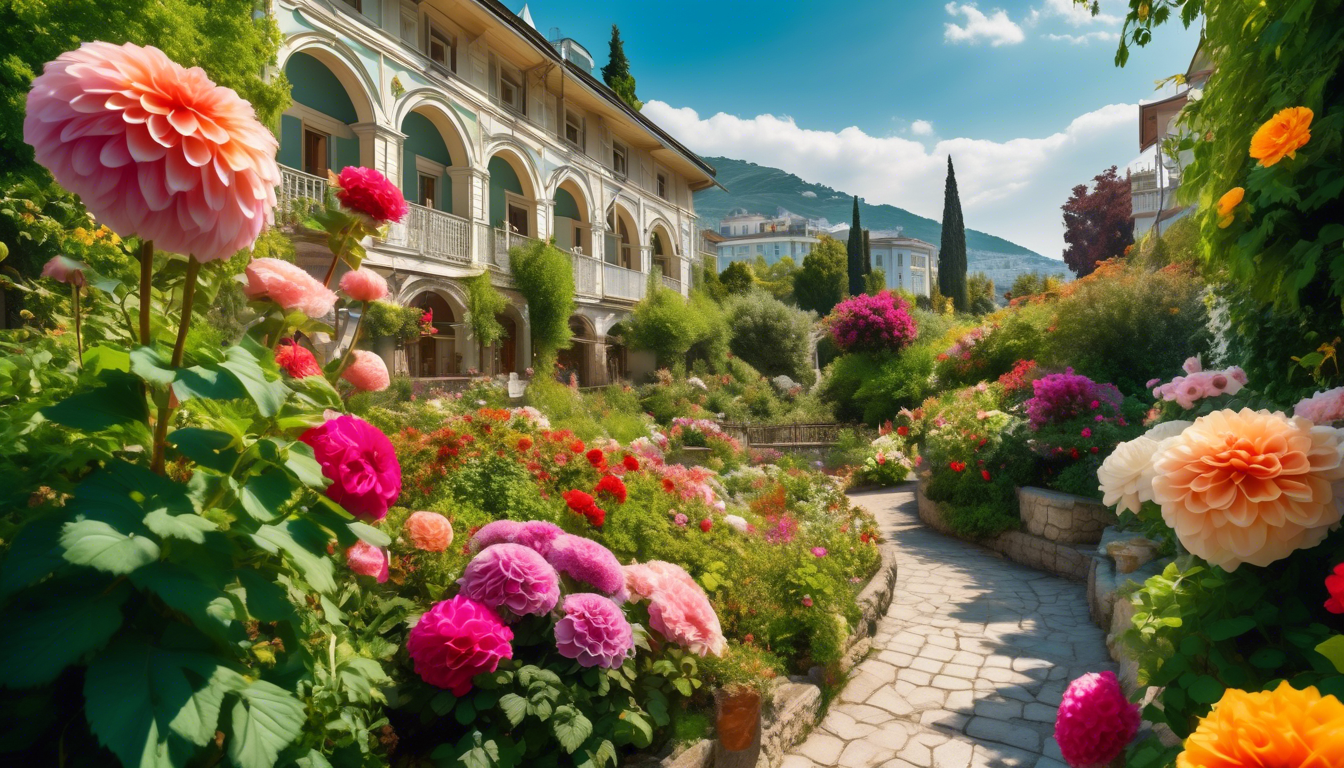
(820, 284)
(616, 74)
(952, 253)
(854, 252)
(1097, 223)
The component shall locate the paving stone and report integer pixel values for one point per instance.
(863, 754)
(1040, 713)
(822, 748)
(953, 754)
(1005, 733)
(950, 683)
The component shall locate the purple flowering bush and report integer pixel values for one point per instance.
(1060, 397)
(872, 323)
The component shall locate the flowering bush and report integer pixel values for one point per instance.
(888, 464)
(1061, 397)
(871, 323)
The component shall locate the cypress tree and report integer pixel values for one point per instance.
(616, 74)
(952, 253)
(867, 253)
(854, 250)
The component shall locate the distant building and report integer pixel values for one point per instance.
(909, 264)
(1155, 180)
(743, 236)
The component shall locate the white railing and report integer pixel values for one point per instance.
(1148, 202)
(587, 275)
(671, 282)
(504, 242)
(622, 283)
(297, 185)
(434, 234)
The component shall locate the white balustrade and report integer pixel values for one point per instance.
(433, 234)
(622, 283)
(297, 185)
(587, 275)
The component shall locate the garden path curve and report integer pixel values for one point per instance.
(968, 665)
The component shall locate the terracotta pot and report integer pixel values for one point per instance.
(738, 719)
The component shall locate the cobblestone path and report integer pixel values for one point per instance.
(968, 665)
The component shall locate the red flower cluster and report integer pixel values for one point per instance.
(956, 466)
(985, 474)
(706, 524)
(630, 463)
(597, 458)
(583, 504)
(576, 446)
(902, 431)
(1020, 377)
(612, 486)
(295, 360)
(524, 443)
(1334, 584)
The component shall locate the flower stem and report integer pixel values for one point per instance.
(344, 235)
(146, 270)
(165, 400)
(79, 341)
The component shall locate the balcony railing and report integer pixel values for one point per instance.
(504, 242)
(1148, 202)
(622, 283)
(435, 234)
(587, 275)
(671, 282)
(295, 185)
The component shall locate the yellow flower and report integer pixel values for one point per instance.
(1282, 136)
(1227, 203)
(1283, 727)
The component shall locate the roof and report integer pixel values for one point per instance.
(1150, 126)
(538, 41)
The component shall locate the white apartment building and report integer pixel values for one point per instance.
(497, 136)
(1155, 177)
(909, 264)
(746, 236)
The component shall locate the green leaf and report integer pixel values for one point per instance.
(1333, 649)
(572, 728)
(105, 357)
(300, 460)
(34, 552)
(189, 526)
(56, 625)
(1206, 690)
(1269, 658)
(207, 447)
(633, 729)
(464, 712)
(243, 360)
(370, 535)
(264, 496)
(153, 706)
(265, 600)
(313, 759)
(1226, 629)
(148, 363)
(316, 569)
(96, 544)
(514, 707)
(119, 401)
(265, 720)
(208, 607)
(207, 382)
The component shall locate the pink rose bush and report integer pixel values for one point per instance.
(361, 464)
(872, 323)
(1323, 407)
(679, 609)
(594, 632)
(1060, 397)
(1095, 722)
(588, 562)
(512, 579)
(456, 640)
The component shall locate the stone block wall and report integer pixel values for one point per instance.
(1063, 517)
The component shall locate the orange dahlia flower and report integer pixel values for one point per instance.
(1284, 134)
(1228, 203)
(1282, 727)
(1249, 486)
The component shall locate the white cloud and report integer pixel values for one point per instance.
(921, 128)
(809, 193)
(1086, 37)
(1076, 15)
(997, 28)
(1012, 188)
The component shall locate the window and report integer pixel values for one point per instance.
(619, 159)
(408, 25)
(315, 152)
(879, 261)
(518, 219)
(776, 250)
(662, 185)
(727, 231)
(760, 249)
(574, 133)
(442, 49)
(428, 185)
(511, 90)
(578, 237)
(900, 260)
(742, 250)
(358, 5)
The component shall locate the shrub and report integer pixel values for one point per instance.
(872, 323)
(771, 336)
(484, 304)
(737, 278)
(386, 318)
(545, 277)
(821, 283)
(669, 326)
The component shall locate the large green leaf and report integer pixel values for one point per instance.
(207, 382)
(34, 553)
(264, 496)
(266, 719)
(189, 526)
(119, 401)
(153, 706)
(265, 600)
(149, 364)
(572, 728)
(249, 362)
(300, 460)
(184, 591)
(207, 447)
(302, 542)
(96, 544)
(54, 626)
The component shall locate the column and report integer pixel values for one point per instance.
(380, 149)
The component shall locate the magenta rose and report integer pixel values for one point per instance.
(456, 640)
(586, 561)
(361, 464)
(594, 632)
(512, 578)
(368, 192)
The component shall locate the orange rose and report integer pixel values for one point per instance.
(1280, 727)
(1282, 136)
(429, 531)
(1227, 203)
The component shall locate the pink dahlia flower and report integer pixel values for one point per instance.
(367, 372)
(369, 193)
(456, 640)
(364, 285)
(1321, 408)
(153, 149)
(538, 535)
(367, 560)
(496, 532)
(296, 360)
(586, 561)
(514, 578)
(644, 580)
(594, 632)
(428, 531)
(1095, 721)
(64, 269)
(289, 286)
(680, 612)
(361, 464)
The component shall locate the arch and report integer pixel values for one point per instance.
(663, 250)
(432, 147)
(440, 354)
(507, 356)
(344, 64)
(623, 241)
(579, 359)
(445, 117)
(572, 216)
(330, 94)
(514, 186)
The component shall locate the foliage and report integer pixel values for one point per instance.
(1098, 222)
(952, 250)
(616, 73)
(871, 323)
(1179, 244)
(872, 388)
(777, 278)
(1030, 284)
(820, 284)
(980, 291)
(737, 278)
(669, 325)
(771, 336)
(854, 254)
(484, 305)
(875, 282)
(545, 277)
(387, 319)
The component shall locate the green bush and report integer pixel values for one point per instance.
(386, 319)
(484, 305)
(771, 336)
(671, 326)
(545, 277)
(872, 387)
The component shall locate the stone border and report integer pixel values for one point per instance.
(1062, 517)
(796, 702)
(1067, 560)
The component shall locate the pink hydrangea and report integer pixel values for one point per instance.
(289, 286)
(594, 632)
(369, 193)
(680, 611)
(511, 577)
(367, 372)
(586, 561)
(367, 560)
(872, 323)
(1323, 407)
(1095, 721)
(364, 284)
(360, 462)
(456, 640)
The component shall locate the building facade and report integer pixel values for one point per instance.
(497, 136)
(744, 236)
(910, 265)
(1155, 180)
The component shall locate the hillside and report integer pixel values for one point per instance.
(762, 189)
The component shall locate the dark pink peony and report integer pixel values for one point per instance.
(872, 323)
(361, 464)
(594, 632)
(456, 640)
(369, 193)
(586, 561)
(511, 577)
(1095, 721)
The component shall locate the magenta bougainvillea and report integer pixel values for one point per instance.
(1063, 396)
(872, 323)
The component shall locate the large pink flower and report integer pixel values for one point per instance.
(364, 284)
(367, 560)
(681, 612)
(1095, 721)
(456, 640)
(533, 534)
(289, 286)
(643, 580)
(1249, 486)
(367, 372)
(64, 269)
(361, 464)
(494, 532)
(154, 150)
(1321, 408)
(586, 561)
(514, 578)
(369, 193)
(594, 632)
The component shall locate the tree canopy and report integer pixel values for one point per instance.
(616, 74)
(820, 284)
(1097, 223)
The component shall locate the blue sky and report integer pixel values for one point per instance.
(870, 96)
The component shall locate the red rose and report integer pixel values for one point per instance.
(597, 458)
(1334, 584)
(576, 446)
(612, 486)
(902, 431)
(630, 463)
(297, 361)
(524, 443)
(706, 524)
(985, 474)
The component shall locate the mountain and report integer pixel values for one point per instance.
(762, 189)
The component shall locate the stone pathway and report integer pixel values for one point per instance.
(969, 664)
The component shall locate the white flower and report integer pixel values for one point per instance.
(1126, 476)
(739, 524)
(697, 382)
(1167, 430)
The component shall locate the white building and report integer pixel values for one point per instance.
(497, 136)
(745, 236)
(909, 265)
(1156, 176)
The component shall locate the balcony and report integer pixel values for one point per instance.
(297, 187)
(434, 234)
(587, 275)
(506, 241)
(1147, 203)
(621, 283)
(671, 282)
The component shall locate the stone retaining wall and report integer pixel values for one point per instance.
(1063, 517)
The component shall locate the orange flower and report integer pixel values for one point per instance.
(1227, 203)
(1282, 136)
(1280, 727)
(1249, 486)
